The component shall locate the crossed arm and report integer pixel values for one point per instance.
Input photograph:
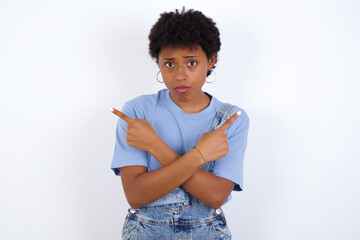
(142, 187)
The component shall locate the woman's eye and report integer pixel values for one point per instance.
(192, 63)
(169, 64)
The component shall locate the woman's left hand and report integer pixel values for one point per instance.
(140, 134)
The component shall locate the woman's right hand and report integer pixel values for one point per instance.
(213, 145)
(140, 134)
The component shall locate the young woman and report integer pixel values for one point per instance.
(180, 152)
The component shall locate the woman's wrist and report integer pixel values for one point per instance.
(196, 156)
(155, 145)
(194, 147)
(162, 152)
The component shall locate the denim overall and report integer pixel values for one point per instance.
(179, 215)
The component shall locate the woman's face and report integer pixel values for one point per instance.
(184, 73)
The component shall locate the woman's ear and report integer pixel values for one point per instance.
(212, 61)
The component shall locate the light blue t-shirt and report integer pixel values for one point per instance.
(179, 130)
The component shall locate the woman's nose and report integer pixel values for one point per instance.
(180, 73)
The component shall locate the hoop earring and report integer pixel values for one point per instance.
(157, 77)
(212, 71)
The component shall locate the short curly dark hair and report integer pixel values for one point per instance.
(186, 28)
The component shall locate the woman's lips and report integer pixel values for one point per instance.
(182, 89)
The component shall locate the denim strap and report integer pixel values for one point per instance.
(221, 116)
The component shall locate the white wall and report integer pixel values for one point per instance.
(292, 65)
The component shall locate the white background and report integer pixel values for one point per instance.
(292, 65)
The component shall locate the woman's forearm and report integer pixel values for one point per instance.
(150, 186)
(205, 186)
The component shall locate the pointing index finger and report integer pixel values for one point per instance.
(122, 115)
(228, 122)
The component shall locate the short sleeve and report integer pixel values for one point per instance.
(125, 155)
(232, 165)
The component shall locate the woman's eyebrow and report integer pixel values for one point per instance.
(183, 57)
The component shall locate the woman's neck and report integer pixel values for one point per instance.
(195, 106)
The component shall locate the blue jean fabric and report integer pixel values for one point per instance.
(191, 219)
(179, 215)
